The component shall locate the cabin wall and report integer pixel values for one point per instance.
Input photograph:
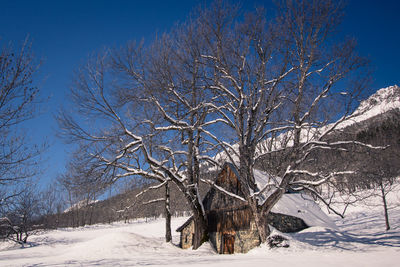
(247, 239)
(244, 240)
(187, 236)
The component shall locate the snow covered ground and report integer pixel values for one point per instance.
(359, 240)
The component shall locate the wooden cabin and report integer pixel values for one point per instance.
(231, 228)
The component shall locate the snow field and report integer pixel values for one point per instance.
(360, 241)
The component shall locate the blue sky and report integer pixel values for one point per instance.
(64, 33)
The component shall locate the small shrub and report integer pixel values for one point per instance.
(278, 241)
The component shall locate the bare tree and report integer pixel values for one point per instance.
(167, 206)
(49, 199)
(243, 86)
(22, 212)
(279, 86)
(18, 99)
(313, 93)
(52, 203)
(83, 184)
(379, 168)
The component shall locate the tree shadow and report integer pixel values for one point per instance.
(347, 241)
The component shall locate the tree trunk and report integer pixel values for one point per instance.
(26, 237)
(260, 221)
(385, 207)
(199, 220)
(168, 235)
(245, 169)
(200, 230)
(90, 215)
(262, 227)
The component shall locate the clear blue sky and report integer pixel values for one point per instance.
(64, 33)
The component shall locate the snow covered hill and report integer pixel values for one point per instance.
(81, 204)
(384, 100)
(360, 240)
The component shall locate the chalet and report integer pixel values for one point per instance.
(231, 228)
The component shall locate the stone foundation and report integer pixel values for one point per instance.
(245, 240)
(286, 223)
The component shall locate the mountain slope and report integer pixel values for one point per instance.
(384, 100)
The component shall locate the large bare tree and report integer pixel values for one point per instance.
(243, 86)
(278, 86)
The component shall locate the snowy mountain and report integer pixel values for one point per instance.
(384, 100)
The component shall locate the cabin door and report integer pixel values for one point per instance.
(228, 244)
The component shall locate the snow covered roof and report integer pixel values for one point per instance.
(304, 207)
(295, 204)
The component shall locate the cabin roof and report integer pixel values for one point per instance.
(233, 168)
(183, 226)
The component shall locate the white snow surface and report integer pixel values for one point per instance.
(359, 240)
(304, 207)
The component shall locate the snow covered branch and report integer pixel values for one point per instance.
(323, 179)
(154, 201)
(321, 198)
(151, 188)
